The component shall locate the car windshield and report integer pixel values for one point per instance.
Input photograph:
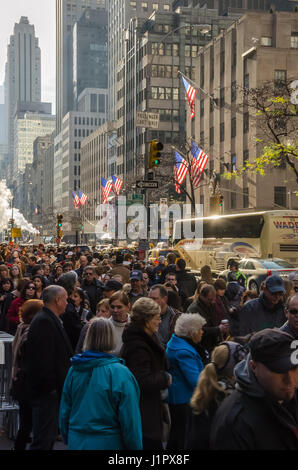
(276, 264)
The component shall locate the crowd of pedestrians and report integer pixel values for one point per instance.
(114, 353)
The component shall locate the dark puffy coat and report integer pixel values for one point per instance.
(256, 315)
(72, 323)
(145, 357)
(186, 283)
(212, 335)
(94, 293)
(47, 356)
(249, 420)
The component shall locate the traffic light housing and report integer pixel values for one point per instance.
(220, 201)
(155, 153)
(59, 221)
(59, 225)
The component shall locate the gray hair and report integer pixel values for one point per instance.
(188, 323)
(90, 268)
(68, 281)
(100, 336)
(50, 293)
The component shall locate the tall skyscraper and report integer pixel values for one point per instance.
(67, 14)
(120, 13)
(23, 72)
(90, 52)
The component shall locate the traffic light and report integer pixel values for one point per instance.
(154, 153)
(220, 201)
(59, 221)
(59, 225)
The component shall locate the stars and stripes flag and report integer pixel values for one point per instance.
(117, 185)
(106, 189)
(180, 171)
(83, 198)
(200, 159)
(191, 95)
(76, 200)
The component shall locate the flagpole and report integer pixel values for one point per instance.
(215, 100)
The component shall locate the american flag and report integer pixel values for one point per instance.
(117, 185)
(180, 171)
(75, 199)
(200, 159)
(83, 197)
(107, 187)
(191, 95)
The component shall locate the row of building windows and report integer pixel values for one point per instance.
(144, 5)
(158, 48)
(164, 93)
(167, 114)
(169, 71)
(89, 121)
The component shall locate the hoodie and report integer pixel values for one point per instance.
(251, 420)
(100, 404)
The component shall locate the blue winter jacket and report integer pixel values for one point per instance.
(185, 367)
(99, 408)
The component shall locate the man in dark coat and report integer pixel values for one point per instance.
(265, 312)
(205, 306)
(47, 360)
(83, 265)
(262, 413)
(186, 281)
(168, 315)
(291, 326)
(92, 287)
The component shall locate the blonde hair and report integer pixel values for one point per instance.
(100, 336)
(103, 303)
(208, 385)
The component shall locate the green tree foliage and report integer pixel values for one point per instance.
(275, 118)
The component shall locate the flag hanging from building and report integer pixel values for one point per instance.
(180, 171)
(75, 199)
(200, 159)
(107, 187)
(191, 95)
(117, 185)
(82, 197)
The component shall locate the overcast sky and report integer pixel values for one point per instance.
(41, 13)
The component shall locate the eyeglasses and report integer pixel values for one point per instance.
(88, 274)
(31, 287)
(293, 311)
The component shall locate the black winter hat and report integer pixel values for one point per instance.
(274, 349)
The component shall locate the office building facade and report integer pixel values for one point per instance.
(258, 48)
(67, 14)
(23, 73)
(90, 52)
(31, 120)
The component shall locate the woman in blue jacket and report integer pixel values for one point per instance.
(100, 401)
(186, 364)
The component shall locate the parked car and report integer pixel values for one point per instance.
(256, 270)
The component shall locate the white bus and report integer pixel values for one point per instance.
(265, 234)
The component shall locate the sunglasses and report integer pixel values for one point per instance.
(293, 311)
(88, 274)
(31, 287)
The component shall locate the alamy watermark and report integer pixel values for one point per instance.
(131, 221)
